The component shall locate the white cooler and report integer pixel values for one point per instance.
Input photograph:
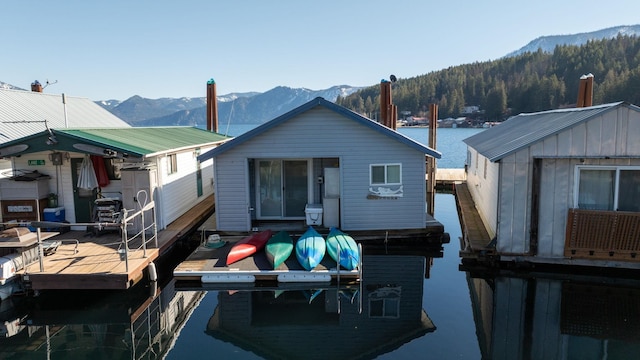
(314, 214)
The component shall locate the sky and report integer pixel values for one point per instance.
(112, 50)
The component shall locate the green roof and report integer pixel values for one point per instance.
(134, 141)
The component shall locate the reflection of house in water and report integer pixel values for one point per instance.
(384, 313)
(139, 323)
(544, 318)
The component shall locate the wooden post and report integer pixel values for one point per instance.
(385, 101)
(212, 106)
(581, 87)
(431, 162)
(588, 91)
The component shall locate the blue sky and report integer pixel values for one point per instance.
(116, 49)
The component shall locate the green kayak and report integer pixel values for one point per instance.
(279, 248)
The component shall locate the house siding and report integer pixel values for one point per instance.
(607, 139)
(484, 189)
(322, 133)
(179, 190)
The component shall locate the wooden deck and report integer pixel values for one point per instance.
(86, 261)
(475, 242)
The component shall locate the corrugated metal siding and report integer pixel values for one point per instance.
(148, 141)
(323, 133)
(31, 108)
(608, 134)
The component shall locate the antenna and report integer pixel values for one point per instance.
(47, 83)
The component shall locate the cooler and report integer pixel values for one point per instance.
(314, 214)
(54, 214)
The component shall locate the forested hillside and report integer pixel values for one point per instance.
(525, 83)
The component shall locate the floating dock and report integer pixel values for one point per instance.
(208, 266)
(86, 261)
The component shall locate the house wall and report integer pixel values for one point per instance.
(483, 185)
(323, 133)
(608, 139)
(178, 191)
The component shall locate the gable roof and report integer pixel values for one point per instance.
(23, 113)
(319, 101)
(524, 130)
(132, 141)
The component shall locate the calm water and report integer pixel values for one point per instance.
(427, 308)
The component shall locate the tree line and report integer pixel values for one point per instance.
(530, 82)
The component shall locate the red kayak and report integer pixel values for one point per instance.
(248, 246)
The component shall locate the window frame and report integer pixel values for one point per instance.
(172, 163)
(616, 190)
(386, 174)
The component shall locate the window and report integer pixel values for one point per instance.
(384, 302)
(608, 188)
(386, 174)
(172, 164)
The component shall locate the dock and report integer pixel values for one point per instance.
(475, 242)
(208, 266)
(84, 260)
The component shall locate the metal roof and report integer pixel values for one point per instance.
(319, 101)
(131, 141)
(527, 129)
(23, 113)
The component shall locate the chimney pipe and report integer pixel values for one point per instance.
(36, 86)
(212, 106)
(585, 91)
(385, 101)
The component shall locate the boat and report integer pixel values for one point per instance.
(310, 249)
(339, 242)
(279, 248)
(248, 246)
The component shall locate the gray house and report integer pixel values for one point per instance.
(323, 163)
(561, 186)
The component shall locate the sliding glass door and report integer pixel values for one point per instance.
(283, 188)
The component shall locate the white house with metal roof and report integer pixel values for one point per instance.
(324, 164)
(161, 160)
(561, 186)
(23, 113)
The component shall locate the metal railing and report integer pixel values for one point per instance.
(138, 241)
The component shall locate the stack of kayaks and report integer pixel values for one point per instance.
(279, 248)
(310, 249)
(343, 249)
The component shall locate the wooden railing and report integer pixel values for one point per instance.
(603, 235)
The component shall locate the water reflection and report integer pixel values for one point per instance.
(556, 317)
(134, 324)
(379, 315)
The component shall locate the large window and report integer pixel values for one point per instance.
(608, 188)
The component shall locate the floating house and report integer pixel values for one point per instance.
(53, 170)
(323, 164)
(561, 186)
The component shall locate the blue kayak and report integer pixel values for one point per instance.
(349, 256)
(310, 249)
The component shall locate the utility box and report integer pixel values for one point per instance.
(314, 214)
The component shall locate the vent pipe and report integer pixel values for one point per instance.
(212, 106)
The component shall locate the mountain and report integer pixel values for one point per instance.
(4, 85)
(548, 43)
(246, 108)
